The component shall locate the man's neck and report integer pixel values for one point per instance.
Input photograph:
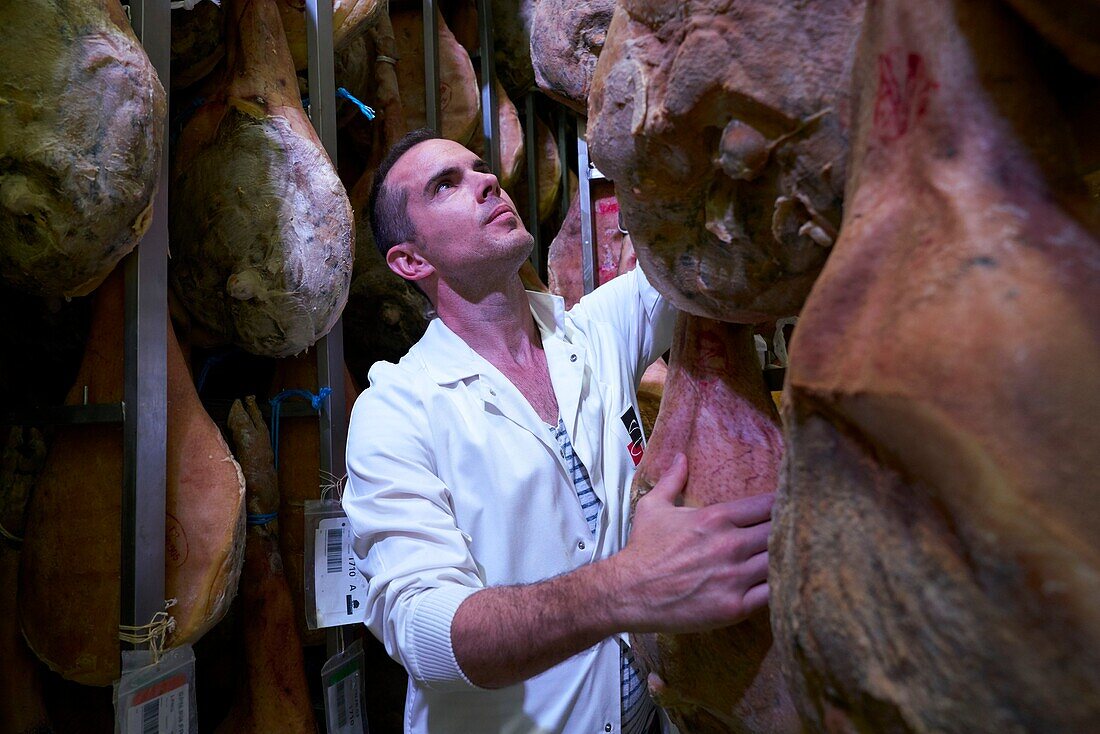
(498, 326)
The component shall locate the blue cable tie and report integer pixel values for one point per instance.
(261, 519)
(368, 111)
(276, 406)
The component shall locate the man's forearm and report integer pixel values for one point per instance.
(505, 634)
(684, 570)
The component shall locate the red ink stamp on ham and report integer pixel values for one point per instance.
(904, 90)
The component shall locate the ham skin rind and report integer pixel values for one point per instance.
(935, 555)
(718, 412)
(81, 134)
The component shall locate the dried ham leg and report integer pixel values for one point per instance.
(718, 412)
(262, 231)
(936, 553)
(69, 609)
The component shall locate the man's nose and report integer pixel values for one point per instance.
(487, 185)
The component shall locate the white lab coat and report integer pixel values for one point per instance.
(456, 484)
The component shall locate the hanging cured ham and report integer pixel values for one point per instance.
(350, 19)
(510, 143)
(566, 39)
(548, 164)
(564, 261)
(69, 610)
(262, 231)
(718, 412)
(81, 132)
(727, 134)
(458, 91)
(936, 554)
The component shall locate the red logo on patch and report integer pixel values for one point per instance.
(636, 447)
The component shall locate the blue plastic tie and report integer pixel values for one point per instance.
(262, 519)
(276, 405)
(368, 111)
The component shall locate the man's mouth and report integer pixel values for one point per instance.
(499, 211)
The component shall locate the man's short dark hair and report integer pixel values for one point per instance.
(389, 218)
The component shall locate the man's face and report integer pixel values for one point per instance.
(464, 224)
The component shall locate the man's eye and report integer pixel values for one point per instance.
(439, 186)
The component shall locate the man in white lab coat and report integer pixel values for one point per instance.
(489, 475)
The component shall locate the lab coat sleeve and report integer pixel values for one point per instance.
(417, 561)
(630, 305)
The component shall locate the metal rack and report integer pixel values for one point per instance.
(145, 423)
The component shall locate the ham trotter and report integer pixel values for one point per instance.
(261, 228)
(81, 131)
(276, 697)
(935, 554)
(718, 412)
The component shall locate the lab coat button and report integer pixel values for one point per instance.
(572, 358)
(581, 545)
(607, 727)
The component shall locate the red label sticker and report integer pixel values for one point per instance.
(158, 689)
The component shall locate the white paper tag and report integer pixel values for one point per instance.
(343, 707)
(160, 709)
(341, 593)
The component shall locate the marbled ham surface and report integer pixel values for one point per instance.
(717, 410)
(725, 127)
(936, 556)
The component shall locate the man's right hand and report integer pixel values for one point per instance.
(691, 569)
(684, 570)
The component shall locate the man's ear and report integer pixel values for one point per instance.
(404, 260)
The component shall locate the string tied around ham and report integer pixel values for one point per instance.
(262, 518)
(368, 112)
(155, 633)
(316, 400)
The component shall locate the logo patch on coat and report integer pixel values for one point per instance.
(636, 447)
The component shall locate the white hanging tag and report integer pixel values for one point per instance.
(342, 679)
(158, 698)
(338, 593)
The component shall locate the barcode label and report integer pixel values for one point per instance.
(339, 592)
(160, 709)
(150, 717)
(343, 704)
(333, 550)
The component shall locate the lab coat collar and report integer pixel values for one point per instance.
(461, 361)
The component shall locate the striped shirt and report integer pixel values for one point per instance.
(638, 708)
